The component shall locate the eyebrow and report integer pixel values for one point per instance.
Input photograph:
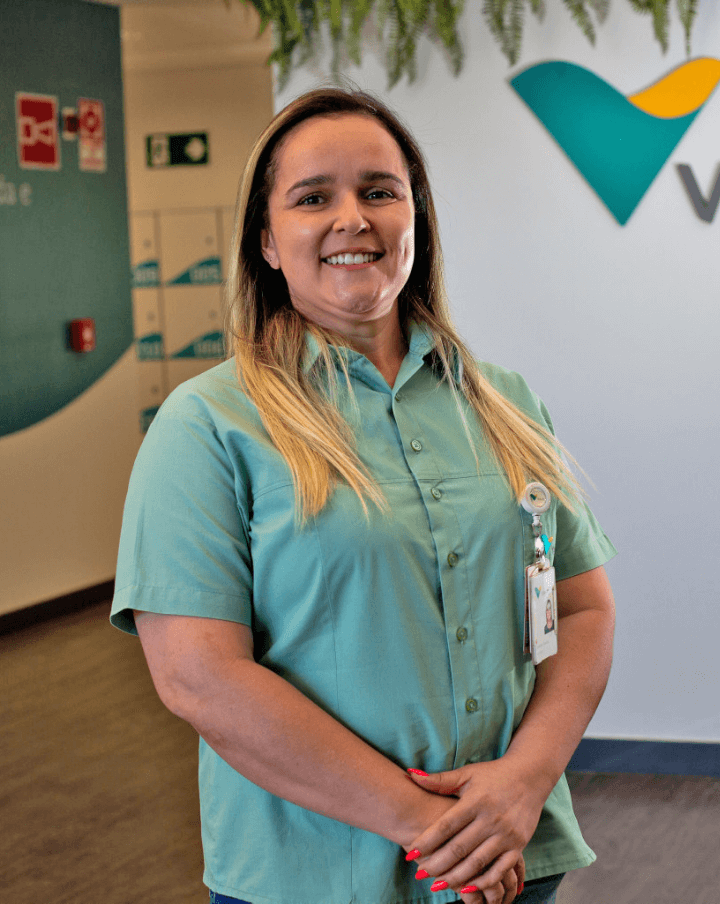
(367, 176)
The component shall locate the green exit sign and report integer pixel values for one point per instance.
(188, 149)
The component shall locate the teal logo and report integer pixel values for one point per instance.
(207, 272)
(211, 345)
(146, 275)
(150, 347)
(618, 143)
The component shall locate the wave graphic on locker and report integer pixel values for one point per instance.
(211, 345)
(207, 272)
(618, 143)
(146, 275)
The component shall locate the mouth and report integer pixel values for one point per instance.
(349, 257)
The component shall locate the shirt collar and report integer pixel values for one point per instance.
(420, 345)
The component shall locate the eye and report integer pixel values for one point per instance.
(379, 194)
(311, 200)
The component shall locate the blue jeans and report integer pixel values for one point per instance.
(536, 891)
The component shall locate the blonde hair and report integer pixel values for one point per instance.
(267, 335)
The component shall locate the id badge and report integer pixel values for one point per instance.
(540, 613)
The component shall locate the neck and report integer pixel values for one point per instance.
(382, 342)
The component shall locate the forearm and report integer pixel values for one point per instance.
(276, 737)
(568, 686)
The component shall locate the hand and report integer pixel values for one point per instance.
(480, 839)
(504, 892)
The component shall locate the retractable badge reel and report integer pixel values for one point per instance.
(540, 636)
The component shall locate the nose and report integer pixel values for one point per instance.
(350, 216)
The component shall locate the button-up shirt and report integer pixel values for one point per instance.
(406, 625)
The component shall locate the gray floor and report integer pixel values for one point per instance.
(99, 806)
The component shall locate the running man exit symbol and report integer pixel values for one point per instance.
(188, 149)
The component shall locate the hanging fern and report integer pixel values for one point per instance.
(398, 24)
(686, 11)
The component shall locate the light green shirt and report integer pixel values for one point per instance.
(406, 626)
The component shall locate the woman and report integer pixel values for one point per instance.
(323, 553)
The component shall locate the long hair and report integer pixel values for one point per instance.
(267, 335)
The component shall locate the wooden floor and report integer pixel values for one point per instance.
(98, 799)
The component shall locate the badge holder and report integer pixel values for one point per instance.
(540, 633)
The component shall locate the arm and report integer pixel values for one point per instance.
(500, 802)
(262, 726)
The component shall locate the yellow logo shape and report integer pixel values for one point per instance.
(681, 91)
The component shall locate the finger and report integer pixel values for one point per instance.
(469, 854)
(495, 894)
(440, 782)
(444, 831)
(504, 891)
(520, 872)
(497, 872)
(510, 884)
(472, 897)
(474, 872)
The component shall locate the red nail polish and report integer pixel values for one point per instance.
(468, 890)
(439, 885)
(520, 888)
(413, 855)
(421, 874)
(418, 772)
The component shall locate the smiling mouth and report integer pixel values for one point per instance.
(350, 258)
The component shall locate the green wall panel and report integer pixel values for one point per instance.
(65, 254)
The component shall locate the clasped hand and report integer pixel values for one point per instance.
(479, 841)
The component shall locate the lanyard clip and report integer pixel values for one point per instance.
(536, 501)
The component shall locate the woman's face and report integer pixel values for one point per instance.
(341, 220)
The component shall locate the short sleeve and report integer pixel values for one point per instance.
(184, 546)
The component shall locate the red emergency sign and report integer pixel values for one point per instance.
(37, 131)
(92, 155)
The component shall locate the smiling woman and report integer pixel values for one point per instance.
(343, 234)
(323, 553)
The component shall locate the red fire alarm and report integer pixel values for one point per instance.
(81, 334)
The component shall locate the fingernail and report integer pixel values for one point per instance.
(439, 885)
(421, 874)
(413, 855)
(418, 772)
(468, 890)
(520, 888)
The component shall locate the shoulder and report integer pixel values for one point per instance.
(207, 394)
(206, 417)
(213, 401)
(508, 382)
(515, 389)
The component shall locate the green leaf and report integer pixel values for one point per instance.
(582, 18)
(659, 11)
(687, 10)
(601, 8)
(359, 12)
(298, 26)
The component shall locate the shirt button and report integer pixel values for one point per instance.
(471, 705)
(416, 445)
(452, 559)
(435, 493)
(461, 634)
(398, 397)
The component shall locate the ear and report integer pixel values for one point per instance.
(267, 245)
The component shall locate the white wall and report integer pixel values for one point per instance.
(616, 327)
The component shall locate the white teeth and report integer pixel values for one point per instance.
(352, 258)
